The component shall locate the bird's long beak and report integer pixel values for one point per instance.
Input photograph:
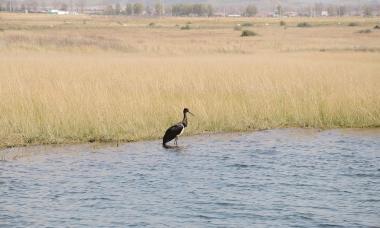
(192, 114)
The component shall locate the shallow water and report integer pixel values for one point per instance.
(276, 178)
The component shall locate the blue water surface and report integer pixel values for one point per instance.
(274, 178)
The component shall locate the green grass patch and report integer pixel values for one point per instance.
(303, 25)
(186, 27)
(353, 24)
(248, 33)
(247, 24)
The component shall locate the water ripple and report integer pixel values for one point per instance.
(275, 178)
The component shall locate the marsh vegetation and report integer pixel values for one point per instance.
(115, 78)
(248, 33)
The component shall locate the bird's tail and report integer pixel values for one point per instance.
(164, 141)
(165, 146)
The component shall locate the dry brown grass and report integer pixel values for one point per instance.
(116, 78)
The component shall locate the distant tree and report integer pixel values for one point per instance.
(63, 7)
(318, 8)
(341, 10)
(34, 5)
(158, 9)
(181, 9)
(332, 10)
(367, 11)
(129, 9)
(148, 10)
(279, 10)
(250, 11)
(168, 9)
(9, 6)
(203, 10)
(199, 9)
(210, 10)
(188, 9)
(138, 8)
(117, 9)
(80, 5)
(22, 7)
(196, 9)
(109, 10)
(192, 9)
(175, 10)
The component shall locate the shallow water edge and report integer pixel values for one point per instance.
(18, 152)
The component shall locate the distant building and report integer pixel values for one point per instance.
(58, 12)
(324, 13)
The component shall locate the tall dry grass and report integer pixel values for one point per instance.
(53, 98)
(55, 91)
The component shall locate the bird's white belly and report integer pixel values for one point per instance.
(183, 129)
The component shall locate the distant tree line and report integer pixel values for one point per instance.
(137, 9)
(41, 5)
(250, 11)
(339, 10)
(192, 9)
(187, 9)
(130, 9)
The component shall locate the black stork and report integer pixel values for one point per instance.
(176, 130)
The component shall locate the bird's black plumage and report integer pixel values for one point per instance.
(174, 131)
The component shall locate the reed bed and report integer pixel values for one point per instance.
(82, 90)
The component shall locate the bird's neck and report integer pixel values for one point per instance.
(184, 121)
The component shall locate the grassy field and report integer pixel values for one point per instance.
(69, 79)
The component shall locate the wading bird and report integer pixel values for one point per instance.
(176, 130)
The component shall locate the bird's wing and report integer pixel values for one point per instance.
(172, 132)
(175, 129)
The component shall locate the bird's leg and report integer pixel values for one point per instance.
(175, 141)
